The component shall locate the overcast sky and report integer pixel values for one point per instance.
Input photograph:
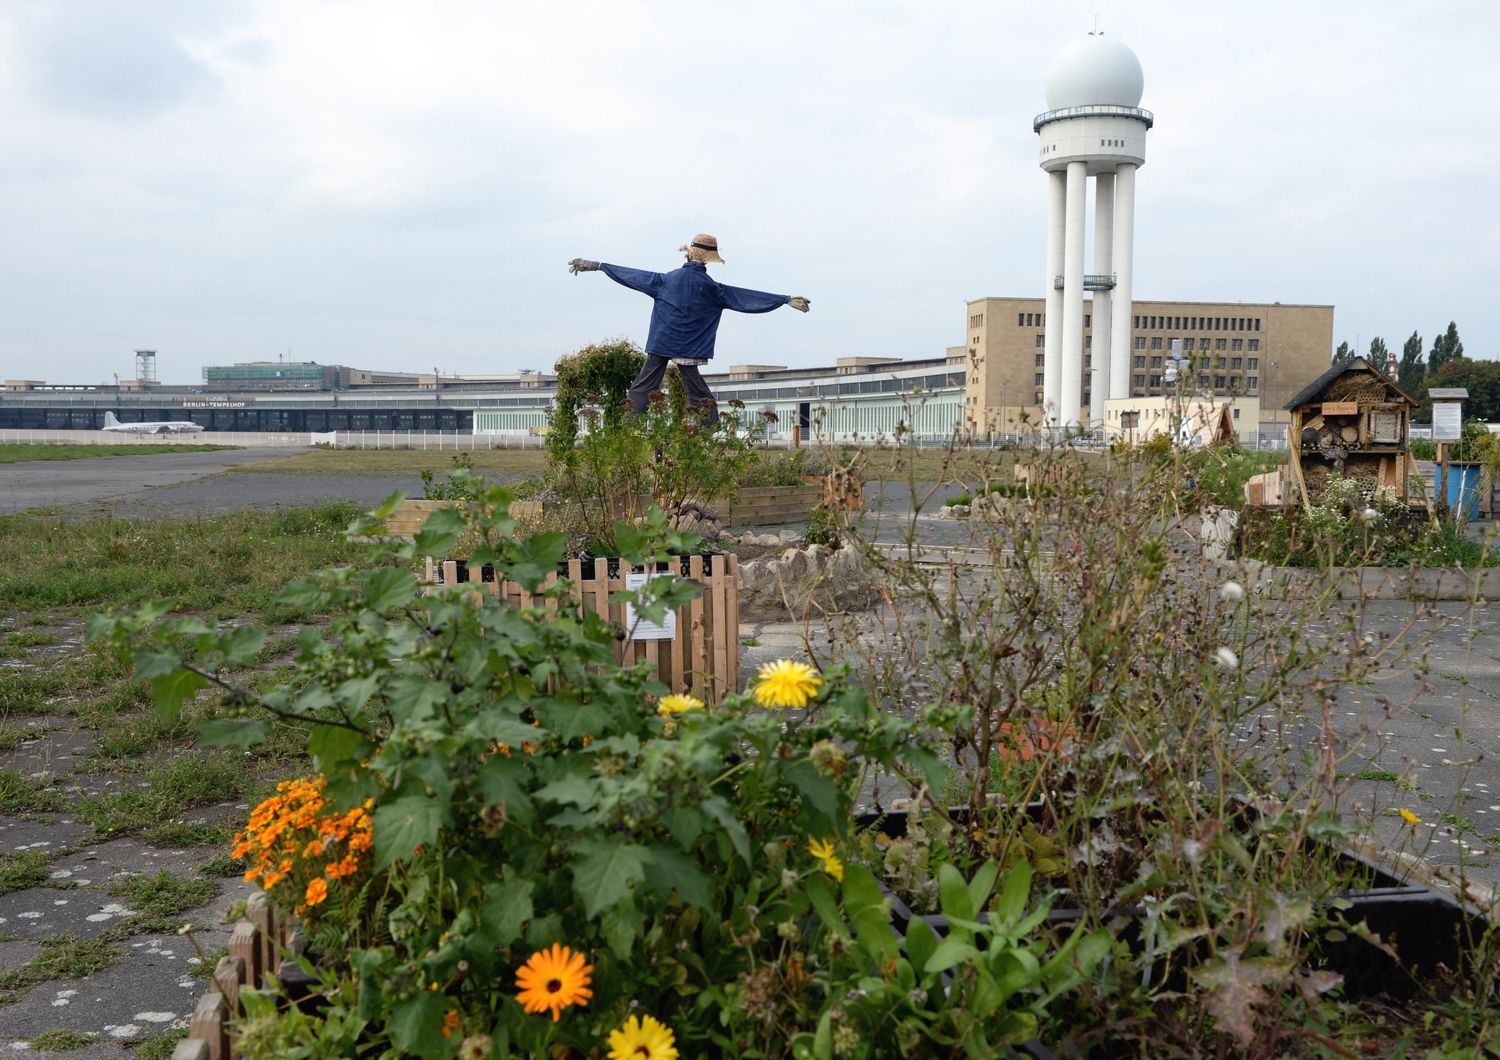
(400, 185)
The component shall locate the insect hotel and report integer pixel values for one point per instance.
(1352, 421)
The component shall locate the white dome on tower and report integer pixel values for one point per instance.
(1095, 71)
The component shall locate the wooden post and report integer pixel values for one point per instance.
(209, 1024)
(260, 913)
(696, 661)
(190, 1049)
(245, 945)
(1440, 502)
(229, 976)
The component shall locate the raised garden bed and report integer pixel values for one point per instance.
(771, 505)
(1427, 928)
(703, 655)
(407, 519)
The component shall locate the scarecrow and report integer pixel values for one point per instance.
(685, 318)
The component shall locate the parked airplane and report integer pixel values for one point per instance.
(152, 427)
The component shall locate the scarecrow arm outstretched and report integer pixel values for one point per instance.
(636, 279)
(744, 300)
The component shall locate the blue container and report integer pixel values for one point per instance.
(1461, 489)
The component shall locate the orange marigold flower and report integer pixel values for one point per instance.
(450, 1022)
(554, 979)
(317, 890)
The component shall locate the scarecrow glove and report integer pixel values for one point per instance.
(578, 265)
(800, 304)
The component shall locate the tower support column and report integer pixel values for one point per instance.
(1121, 334)
(1069, 411)
(1052, 323)
(1102, 349)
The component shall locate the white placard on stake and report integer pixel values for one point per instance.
(1447, 419)
(637, 628)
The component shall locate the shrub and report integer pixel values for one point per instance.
(822, 527)
(461, 485)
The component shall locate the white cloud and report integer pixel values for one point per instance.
(391, 184)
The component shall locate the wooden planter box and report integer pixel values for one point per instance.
(406, 520)
(772, 505)
(1429, 927)
(702, 659)
(255, 951)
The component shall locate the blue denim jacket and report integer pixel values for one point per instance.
(685, 319)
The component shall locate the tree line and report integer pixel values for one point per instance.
(1419, 370)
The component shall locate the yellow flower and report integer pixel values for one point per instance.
(554, 979)
(784, 683)
(1409, 817)
(824, 851)
(676, 704)
(642, 1038)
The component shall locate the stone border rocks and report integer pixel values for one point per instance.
(812, 577)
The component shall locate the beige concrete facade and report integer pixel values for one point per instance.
(1267, 351)
(1166, 414)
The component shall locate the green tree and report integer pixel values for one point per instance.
(1379, 353)
(1413, 368)
(1445, 348)
(1480, 378)
(1344, 353)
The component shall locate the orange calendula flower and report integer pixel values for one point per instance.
(554, 979)
(317, 890)
(785, 683)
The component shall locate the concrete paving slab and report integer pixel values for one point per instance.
(52, 752)
(42, 833)
(150, 990)
(15, 953)
(97, 864)
(38, 912)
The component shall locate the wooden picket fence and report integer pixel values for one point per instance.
(256, 945)
(703, 658)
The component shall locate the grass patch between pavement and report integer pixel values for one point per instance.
(20, 452)
(225, 566)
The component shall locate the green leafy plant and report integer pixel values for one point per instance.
(822, 527)
(525, 791)
(669, 458)
(461, 485)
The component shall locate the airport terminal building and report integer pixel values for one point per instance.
(856, 398)
(990, 385)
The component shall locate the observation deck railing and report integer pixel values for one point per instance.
(1101, 110)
